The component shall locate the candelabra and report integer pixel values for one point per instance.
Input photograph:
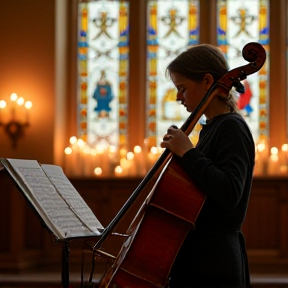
(15, 117)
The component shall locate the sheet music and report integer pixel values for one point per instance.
(58, 208)
(71, 195)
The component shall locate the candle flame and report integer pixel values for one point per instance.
(137, 149)
(28, 105)
(2, 104)
(98, 171)
(261, 147)
(130, 156)
(68, 150)
(112, 149)
(73, 140)
(154, 150)
(13, 97)
(118, 169)
(80, 142)
(20, 101)
(274, 150)
(285, 147)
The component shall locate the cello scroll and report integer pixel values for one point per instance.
(252, 52)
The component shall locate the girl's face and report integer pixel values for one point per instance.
(190, 92)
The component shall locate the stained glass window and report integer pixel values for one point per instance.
(240, 22)
(172, 27)
(103, 51)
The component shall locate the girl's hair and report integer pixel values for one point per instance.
(199, 60)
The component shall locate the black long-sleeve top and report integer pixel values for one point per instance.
(221, 165)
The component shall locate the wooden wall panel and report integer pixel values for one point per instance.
(5, 219)
(260, 226)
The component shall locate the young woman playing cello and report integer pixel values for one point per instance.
(221, 166)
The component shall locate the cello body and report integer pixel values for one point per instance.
(168, 214)
(173, 204)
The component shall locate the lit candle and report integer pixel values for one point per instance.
(139, 161)
(261, 159)
(98, 171)
(69, 161)
(13, 98)
(284, 153)
(20, 112)
(283, 159)
(132, 169)
(273, 162)
(20, 101)
(118, 171)
(153, 155)
(2, 106)
(73, 140)
(124, 163)
(75, 157)
(80, 145)
(28, 106)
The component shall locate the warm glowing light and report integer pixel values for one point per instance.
(118, 169)
(16, 114)
(68, 150)
(80, 142)
(154, 150)
(274, 157)
(13, 97)
(130, 156)
(274, 150)
(20, 101)
(2, 104)
(93, 152)
(123, 152)
(261, 147)
(112, 149)
(98, 171)
(73, 140)
(123, 161)
(100, 149)
(28, 105)
(285, 147)
(137, 149)
(86, 150)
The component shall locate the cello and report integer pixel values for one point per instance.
(165, 218)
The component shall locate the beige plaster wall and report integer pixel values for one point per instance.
(27, 68)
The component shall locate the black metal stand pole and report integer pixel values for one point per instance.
(65, 265)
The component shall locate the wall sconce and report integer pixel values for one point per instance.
(16, 119)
